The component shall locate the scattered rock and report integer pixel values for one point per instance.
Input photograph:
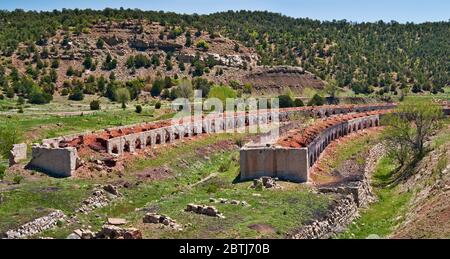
(100, 198)
(226, 201)
(36, 226)
(81, 234)
(116, 221)
(114, 232)
(111, 189)
(154, 218)
(205, 210)
(266, 182)
(73, 236)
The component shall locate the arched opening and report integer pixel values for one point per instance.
(137, 143)
(115, 150)
(148, 142)
(126, 147)
(158, 139)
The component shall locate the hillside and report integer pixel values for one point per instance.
(147, 51)
(242, 49)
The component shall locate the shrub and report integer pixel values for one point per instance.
(77, 95)
(2, 171)
(248, 88)
(203, 45)
(298, 103)
(158, 105)
(9, 135)
(64, 92)
(38, 97)
(239, 142)
(20, 100)
(317, 100)
(122, 95)
(157, 88)
(100, 43)
(138, 109)
(10, 92)
(17, 179)
(285, 101)
(95, 105)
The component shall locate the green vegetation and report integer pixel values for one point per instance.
(381, 218)
(316, 100)
(9, 135)
(95, 105)
(222, 92)
(280, 210)
(408, 129)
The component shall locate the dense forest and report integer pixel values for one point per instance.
(361, 56)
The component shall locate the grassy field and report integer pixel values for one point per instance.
(380, 218)
(278, 210)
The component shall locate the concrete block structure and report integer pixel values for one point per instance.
(290, 158)
(58, 162)
(57, 156)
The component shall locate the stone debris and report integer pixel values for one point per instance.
(114, 232)
(81, 234)
(226, 201)
(154, 218)
(117, 221)
(17, 153)
(100, 198)
(205, 210)
(112, 189)
(107, 232)
(36, 226)
(266, 182)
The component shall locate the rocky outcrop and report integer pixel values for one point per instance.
(276, 79)
(36, 226)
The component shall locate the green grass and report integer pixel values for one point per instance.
(35, 128)
(381, 217)
(34, 198)
(283, 209)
